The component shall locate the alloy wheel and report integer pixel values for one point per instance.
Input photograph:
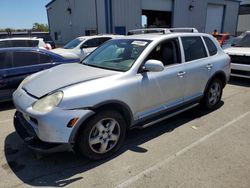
(104, 135)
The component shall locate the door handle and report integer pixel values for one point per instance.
(209, 66)
(181, 74)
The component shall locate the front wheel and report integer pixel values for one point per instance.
(213, 94)
(102, 135)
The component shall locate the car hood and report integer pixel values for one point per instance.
(238, 51)
(62, 76)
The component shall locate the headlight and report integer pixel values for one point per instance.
(49, 102)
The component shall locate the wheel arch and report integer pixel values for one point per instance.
(220, 75)
(119, 106)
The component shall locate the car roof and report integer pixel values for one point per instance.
(99, 36)
(159, 36)
(21, 38)
(31, 49)
(26, 49)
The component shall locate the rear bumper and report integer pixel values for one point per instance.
(28, 135)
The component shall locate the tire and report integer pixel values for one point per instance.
(102, 135)
(213, 94)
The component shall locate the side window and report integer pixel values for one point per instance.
(44, 58)
(102, 40)
(4, 44)
(210, 46)
(5, 61)
(25, 58)
(19, 43)
(193, 48)
(91, 43)
(168, 52)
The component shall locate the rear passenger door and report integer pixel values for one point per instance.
(197, 67)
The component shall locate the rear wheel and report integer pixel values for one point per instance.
(102, 135)
(213, 94)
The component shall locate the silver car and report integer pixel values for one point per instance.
(126, 83)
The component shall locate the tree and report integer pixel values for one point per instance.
(40, 27)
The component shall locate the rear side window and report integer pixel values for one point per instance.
(44, 58)
(25, 58)
(210, 46)
(33, 43)
(102, 40)
(193, 48)
(4, 44)
(19, 43)
(5, 62)
(92, 43)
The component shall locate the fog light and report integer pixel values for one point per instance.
(72, 122)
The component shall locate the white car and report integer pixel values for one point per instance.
(240, 56)
(23, 42)
(82, 46)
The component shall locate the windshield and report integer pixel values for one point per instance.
(72, 44)
(243, 42)
(119, 54)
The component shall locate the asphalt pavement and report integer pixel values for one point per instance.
(194, 149)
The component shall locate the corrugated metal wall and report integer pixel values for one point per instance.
(196, 16)
(59, 21)
(127, 14)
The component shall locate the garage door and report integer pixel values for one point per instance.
(160, 5)
(214, 18)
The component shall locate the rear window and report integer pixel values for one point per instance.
(33, 43)
(102, 40)
(5, 61)
(210, 46)
(193, 48)
(25, 58)
(91, 43)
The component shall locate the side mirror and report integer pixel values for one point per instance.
(84, 46)
(153, 66)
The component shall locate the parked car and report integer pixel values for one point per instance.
(27, 34)
(46, 38)
(17, 63)
(126, 83)
(240, 56)
(23, 42)
(230, 42)
(82, 46)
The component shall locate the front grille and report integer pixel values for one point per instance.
(240, 72)
(240, 59)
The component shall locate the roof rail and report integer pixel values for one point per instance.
(184, 29)
(162, 30)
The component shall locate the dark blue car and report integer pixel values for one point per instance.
(17, 63)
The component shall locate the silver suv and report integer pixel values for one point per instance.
(131, 82)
